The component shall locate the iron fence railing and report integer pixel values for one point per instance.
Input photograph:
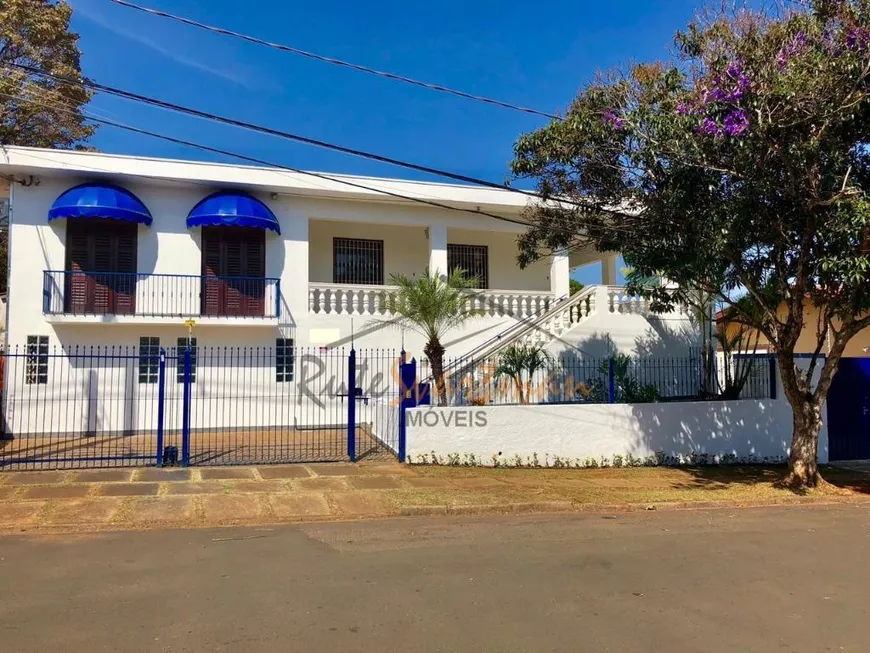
(577, 379)
(69, 292)
(87, 406)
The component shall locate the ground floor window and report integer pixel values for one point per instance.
(183, 344)
(149, 359)
(36, 372)
(473, 260)
(284, 360)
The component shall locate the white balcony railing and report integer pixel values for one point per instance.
(341, 299)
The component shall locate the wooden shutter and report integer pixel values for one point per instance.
(77, 288)
(211, 263)
(234, 266)
(101, 260)
(124, 255)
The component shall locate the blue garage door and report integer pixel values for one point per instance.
(849, 411)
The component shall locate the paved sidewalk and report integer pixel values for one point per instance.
(174, 497)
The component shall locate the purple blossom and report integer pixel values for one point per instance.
(857, 38)
(736, 122)
(613, 119)
(684, 108)
(794, 47)
(709, 126)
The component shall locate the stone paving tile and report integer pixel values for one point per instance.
(389, 469)
(6, 491)
(337, 470)
(320, 484)
(195, 488)
(35, 478)
(163, 509)
(222, 507)
(128, 489)
(287, 471)
(362, 504)
(260, 486)
(103, 476)
(425, 482)
(84, 511)
(227, 473)
(20, 513)
(299, 504)
(160, 475)
(57, 492)
(374, 483)
(475, 483)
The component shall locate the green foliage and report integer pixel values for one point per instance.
(575, 286)
(36, 111)
(741, 166)
(520, 363)
(432, 305)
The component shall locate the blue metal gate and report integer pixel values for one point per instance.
(123, 406)
(849, 411)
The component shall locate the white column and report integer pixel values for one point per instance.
(287, 259)
(608, 270)
(438, 249)
(560, 275)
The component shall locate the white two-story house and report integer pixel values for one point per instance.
(266, 279)
(120, 250)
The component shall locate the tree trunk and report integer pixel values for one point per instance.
(518, 382)
(803, 468)
(434, 351)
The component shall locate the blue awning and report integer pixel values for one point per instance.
(234, 209)
(100, 201)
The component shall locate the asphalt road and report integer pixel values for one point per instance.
(785, 579)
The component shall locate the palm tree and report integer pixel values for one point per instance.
(517, 359)
(432, 305)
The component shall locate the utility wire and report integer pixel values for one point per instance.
(271, 164)
(177, 108)
(334, 61)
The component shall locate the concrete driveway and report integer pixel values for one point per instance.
(790, 579)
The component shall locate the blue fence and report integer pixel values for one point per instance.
(128, 406)
(67, 292)
(574, 379)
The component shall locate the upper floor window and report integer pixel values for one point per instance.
(358, 261)
(100, 276)
(234, 271)
(473, 260)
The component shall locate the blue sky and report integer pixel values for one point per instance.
(536, 55)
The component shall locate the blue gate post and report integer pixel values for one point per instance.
(351, 406)
(407, 399)
(611, 380)
(772, 363)
(185, 412)
(161, 398)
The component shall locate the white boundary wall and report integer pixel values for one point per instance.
(575, 434)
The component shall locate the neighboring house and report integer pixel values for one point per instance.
(119, 250)
(858, 346)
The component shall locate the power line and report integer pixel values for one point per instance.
(325, 177)
(171, 106)
(250, 159)
(336, 62)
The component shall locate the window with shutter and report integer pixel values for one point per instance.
(234, 270)
(101, 267)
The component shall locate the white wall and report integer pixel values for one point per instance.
(746, 429)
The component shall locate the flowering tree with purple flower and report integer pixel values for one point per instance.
(741, 168)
